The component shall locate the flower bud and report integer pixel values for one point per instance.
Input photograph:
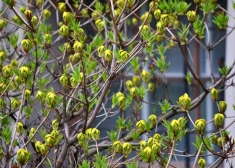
(151, 141)
(40, 96)
(145, 15)
(64, 30)
(124, 56)
(27, 93)
(201, 163)
(156, 148)
(222, 106)
(175, 125)
(67, 17)
(117, 146)
(153, 119)
(50, 140)
(165, 19)
(89, 133)
(127, 148)
(34, 21)
(191, 15)
(200, 126)
(55, 124)
(136, 80)
(140, 125)
(184, 102)
(101, 51)
(37, 146)
(214, 139)
(153, 5)
(17, 20)
(74, 82)
(108, 55)
(133, 92)
(95, 134)
(119, 94)
(120, 4)
(220, 141)
(62, 7)
(157, 137)
(31, 134)
(99, 24)
(117, 13)
(219, 119)
(19, 128)
(3, 56)
(81, 137)
(23, 156)
(22, 9)
(67, 47)
(47, 38)
(95, 15)
(51, 99)
(78, 46)
(15, 103)
(64, 80)
(134, 21)
(43, 149)
(143, 144)
(2, 87)
(85, 13)
(2, 103)
(3, 24)
(145, 75)
(28, 14)
(214, 94)
(14, 63)
(145, 30)
(151, 86)
(55, 134)
(26, 45)
(160, 28)
(121, 102)
(7, 71)
(147, 153)
(46, 14)
(129, 84)
(39, 3)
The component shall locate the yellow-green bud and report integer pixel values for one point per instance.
(31, 134)
(129, 84)
(157, 137)
(81, 137)
(34, 21)
(133, 92)
(101, 50)
(26, 45)
(67, 16)
(39, 3)
(67, 47)
(214, 94)
(214, 139)
(2, 87)
(51, 99)
(191, 15)
(64, 30)
(7, 71)
(145, 15)
(50, 140)
(134, 21)
(140, 125)
(77, 56)
(3, 24)
(40, 96)
(175, 124)
(99, 24)
(14, 63)
(84, 13)
(77, 46)
(156, 148)
(15, 103)
(27, 93)
(55, 124)
(74, 82)
(153, 119)
(151, 141)
(95, 15)
(160, 28)
(22, 9)
(124, 56)
(153, 5)
(37, 145)
(143, 144)
(121, 100)
(23, 156)
(201, 163)
(200, 126)
(127, 148)
(43, 149)
(62, 7)
(17, 20)
(136, 80)
(89, 133)
(46, 14)
(151, 86)
(165, 19)
(117, 146)
(2, 103)
(95, 134)
(3, 56)
(219, 119)
(117, 13)
(184, 102)
(47, 38)
(120, 4)
(119, 94)
(64, 80)
(24, 73)
(145, 75)
(28, 14)
(147, 153)
(145, 30)
(108, 55)
(220, 141)
(19, 128)
(55, 134)
(222, 106)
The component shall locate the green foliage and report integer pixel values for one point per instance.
(165, 106)
(221, 20)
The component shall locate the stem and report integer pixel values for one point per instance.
(172, 150)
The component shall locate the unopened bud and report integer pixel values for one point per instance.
(108, 55)
(201, 163)
(117, 146)
(151, 86)
(152, 119)
(136, 80)
(19, 128)
(28, 14)
(51, 99)
(140, 125)
(127, 148)
(222, 106)
(23, 156)
(64, 30)
(95, 134)
(191, 15)
(62, 7)
(46, 14)
(26, 45)
(145, 75)
(219, 119)
(143, 144)
(81, 137)
(129, 84)
(200, 126)
(214, 94)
